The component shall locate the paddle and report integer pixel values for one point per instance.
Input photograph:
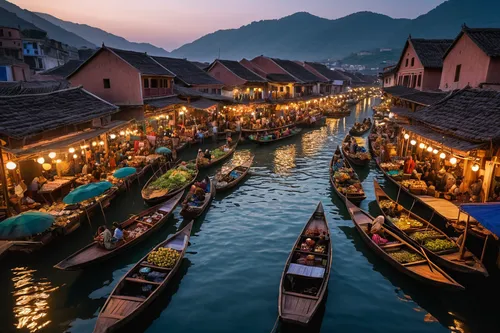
(428, 261)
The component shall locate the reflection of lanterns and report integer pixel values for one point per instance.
(413, 142)
(435, 151)
(122, 133)
(94, 144)
(407, 136)
(75, 155)
(11, 165)
(475, 167)
(442, 156)
(112, 136)
(101, 143)
(41, 160)
(46, 166)
(58, 161)
(422, 146)
(52, 155)
(429, 149)
(453, 160)
(72, 150)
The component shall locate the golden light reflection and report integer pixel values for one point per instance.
(284, 160)
(313, 141)
(333, 125)
(31, 299)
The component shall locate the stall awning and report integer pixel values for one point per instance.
(66, 141)
(202, 104)
(161, 103)
(447, 141)
(487, 214)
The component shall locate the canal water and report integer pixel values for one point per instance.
(229, 279)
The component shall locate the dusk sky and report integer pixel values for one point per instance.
(171, 23)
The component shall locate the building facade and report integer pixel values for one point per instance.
(12, 66)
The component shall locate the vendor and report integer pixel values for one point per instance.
(208, 155)
(104, 238)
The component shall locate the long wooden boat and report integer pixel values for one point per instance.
(337, 114)
(191, 212)
(134, 292)
(423, 270)
(360, 132)
(450, 259)
(248, 131)
(353, 160)
(160, 197)
(220, 159)
(354, 197)
(320, 120)
(95, 253)
(303, 287)
(294, 131)
(242, 169)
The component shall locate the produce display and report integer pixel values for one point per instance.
(406, 222)
(404, 256)
(387, 204)
(347, 181)
(439, 244)
(319, 249)
(311, 232)
(420, 236)
(164, 257)
(174, 178)
(414, 184)
(390, 166)
(361, 155)
(137, 231)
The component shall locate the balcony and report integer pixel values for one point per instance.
(156, 92)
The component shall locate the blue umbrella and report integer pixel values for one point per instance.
(25, 225)
(124, 172)
(163, 150)
(86, 192)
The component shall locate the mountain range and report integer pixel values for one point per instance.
(299, 36)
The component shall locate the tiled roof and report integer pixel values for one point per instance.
(488, 40)
(64, 70)
(326, 72)
(142, 62)
(186, 71)
(400, 91)
(430, 52)
(425, 97)
(241, 71)
(31, 87)
(277, 77)
(468, 114)
(297, 71)
(27, 115)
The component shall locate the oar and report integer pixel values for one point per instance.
(427, 258)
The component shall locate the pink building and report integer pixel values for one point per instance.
(240, 82)
(420, 64)
(125, 78)
(12, 66)
(472, 60)
(336, 81)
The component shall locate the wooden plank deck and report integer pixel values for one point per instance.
(444, 207)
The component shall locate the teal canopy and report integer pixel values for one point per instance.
(86, 192)
(124, 172)
(163, 150)
(25, 225)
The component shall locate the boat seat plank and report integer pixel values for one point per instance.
(111, 316)
(141, 281)
(313, 253)
(391, 245)
(128, 298)
(419, 262)
(299, 295)
(165, 269)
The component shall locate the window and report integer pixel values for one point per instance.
(281, 89)
(161, 83)
(146, 83)
(154, 83)
(106, 83)
(414, 81)
(214, 90)
(10, 33)
(406, 65)
(412, 62)
(457, 73)
(419, 80)
(167, 83)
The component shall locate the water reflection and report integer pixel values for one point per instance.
(31, 299)
(332, 124)
(313, 141)
(284, 160)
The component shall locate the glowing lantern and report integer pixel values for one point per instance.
(453, 160)
(75, 155)
(413, 142)
(52, 155)
(72, 150)
(407, 136)
(475, 167)
(442, 156)
(112, 136)
(11, 165)
(435, 151)
(429, 149)
(41, 160)
(58, 161)
(422, 146)
(101, 143)
(46, 166)
(122, 133)
(94, 144)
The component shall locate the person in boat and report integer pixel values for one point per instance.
(118, 233)
(475, 190)
(409, 166)
(229, 140)
(208, 155)
(376, 231)
(104, 238)
(354, 146)
(338, 162)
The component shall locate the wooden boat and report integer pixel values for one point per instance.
(294, 131)
(448, 258)
(95, 253)
(249, 131)
(191, 212)
(360, 132)
(320, 120)
(337, 114)
(303, 287)
(348, 156)
(354, 197)
(156, 198)
(242, 169)
(423, 270)
(220, 159)
(123, 304)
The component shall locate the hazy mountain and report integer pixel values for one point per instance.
(305, 36)
(11, 20)
(99, 36)
(53, 31)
